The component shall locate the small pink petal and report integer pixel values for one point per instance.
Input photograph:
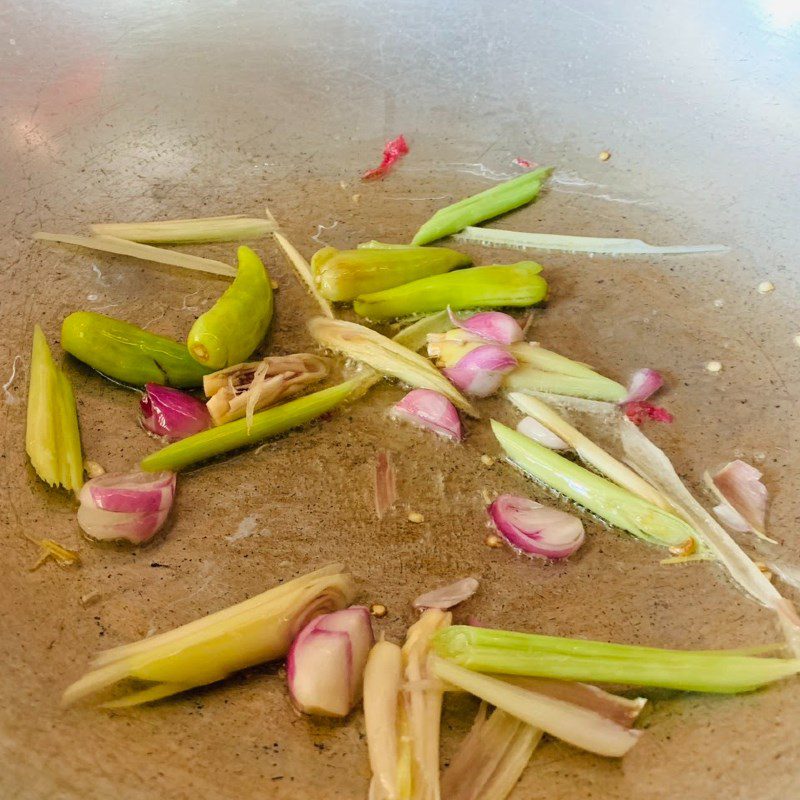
(739, 485)
(448, 596)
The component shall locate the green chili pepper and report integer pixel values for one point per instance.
(486, 205)
(127, 353)
(264, 424)
(234, 326)
(343, 275)
(478, 287)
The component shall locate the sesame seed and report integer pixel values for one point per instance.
(416, 517)
(714, 366)
(604, 155)
(487, 460)
(765, 287)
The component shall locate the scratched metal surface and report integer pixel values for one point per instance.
(141, 109)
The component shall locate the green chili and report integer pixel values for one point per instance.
(234, 326)
(233, 435)
(495, 201)
(343, 275)
(478, 287)
(127, 353)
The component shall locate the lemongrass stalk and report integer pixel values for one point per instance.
(492, 286)
(231, 228)
(144, 252)
(303, 272)
(513, 653)
(526, 378)
(376, 245)
(209, 649)
(491, 203)
(343, 275)
(619, 507)
(491, 757)
(571, 723)
(382, 679)
(588, 451)
(415, 335)
(236, 434)
(536, 356)
(52, 438)
(386, 356)
(519, 240)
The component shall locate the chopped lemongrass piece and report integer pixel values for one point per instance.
(587, 450)
(303, 271)
(490, 758)
(420, 709)
(534, 354)
(415, 335)
(211, 648)
(232, 435)
(618, 506)
(491, 286)
(386, 356)
(574, 724)
(526, 378)
(144, 252)
(52, 438)
(53, 550)
(519, 240)
(488, 204)
(233, 228)
(530, 654)
(382, 678)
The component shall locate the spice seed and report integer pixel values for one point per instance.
(493, 540)
(604, 155)
(377, 610)
(714, 366)
(487, 460)
(416, 517)
(765, 287)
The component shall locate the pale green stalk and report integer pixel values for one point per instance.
(415, 335)
(233, 228)
(526, 378)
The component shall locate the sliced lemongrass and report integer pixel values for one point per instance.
(514, 653)
(303, 271)
(386, 356)
(415, 335)
(144, 252)
(209, 649)
(574, 724)
(490, 758)
(654, 465)
(619, 507)
(524, 240)
(232, 228)
(587, 450)
(526, 378)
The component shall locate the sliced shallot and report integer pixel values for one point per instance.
(171, 414)
(448, 596)
(130, 506)
(644, 383)
(426, 408)
(480, 371)
(492, 326)
(326, 662)
(738, 485)
(534, 529)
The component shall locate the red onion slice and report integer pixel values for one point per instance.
(644, 383)
(325, 667)
(171, 414)
(448, 596)
(431, 410)
(739, 485)
(534, 529)
(492, 326)
(480, 372)
(130, 506)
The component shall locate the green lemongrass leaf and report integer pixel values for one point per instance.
(512, 653)
(144, 252)
(526, 378)
(574, 724)
(232, 228)
(236, 434)
(617, 506)
(415, 335)
(491, 203)
(588, 451)
(343, 275)
(209, 649)
(491, 757)
(386, 356)
(303, 271)
(519, 240)
(52, 438)
(493, 286)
